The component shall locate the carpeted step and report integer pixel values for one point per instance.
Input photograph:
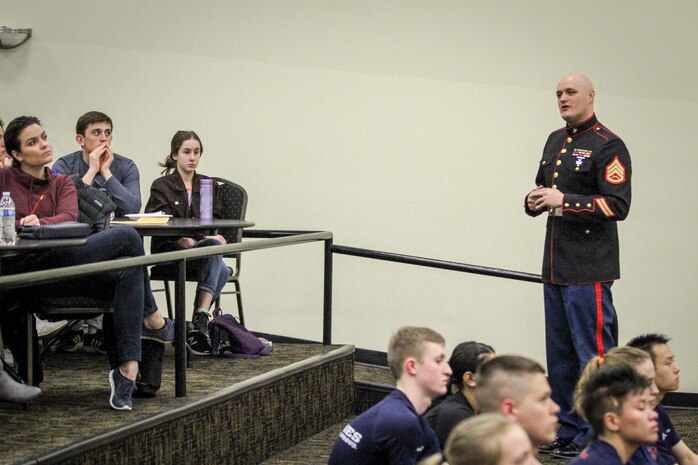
(313, 451)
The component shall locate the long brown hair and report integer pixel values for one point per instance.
(178, 139)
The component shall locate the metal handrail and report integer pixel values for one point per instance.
(44, 276)
(434, 263)
(401, 258)
(331, 249)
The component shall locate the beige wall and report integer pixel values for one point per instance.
(407, 126)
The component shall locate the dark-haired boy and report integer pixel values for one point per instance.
(616, 401)
(393, 431)
(99, 166)
(115, 174)
(669, 444)
(517, 388)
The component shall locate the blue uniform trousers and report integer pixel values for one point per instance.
(579, 324)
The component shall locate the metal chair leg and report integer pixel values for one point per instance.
(238, 296)
(168, 298)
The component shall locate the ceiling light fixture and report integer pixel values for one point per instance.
(11, 38)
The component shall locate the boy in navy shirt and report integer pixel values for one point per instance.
(517, 388)
(616, 401)
(394, 431)
(670, 446)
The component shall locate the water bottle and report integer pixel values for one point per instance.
(206, 203)
(7, 206)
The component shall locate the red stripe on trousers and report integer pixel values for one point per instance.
(599, 319)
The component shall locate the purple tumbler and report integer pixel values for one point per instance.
(206, 211)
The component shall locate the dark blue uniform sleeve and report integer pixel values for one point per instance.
(613, 171)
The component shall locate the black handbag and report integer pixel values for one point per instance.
(68, 230)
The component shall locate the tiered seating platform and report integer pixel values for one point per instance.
(236, 411)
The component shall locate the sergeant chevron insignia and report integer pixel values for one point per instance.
(615, 172)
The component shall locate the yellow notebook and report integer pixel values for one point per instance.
(144, 220)
(152, 220)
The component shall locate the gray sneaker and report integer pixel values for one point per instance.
(164, 334)
(12, 391)
(121, 391)
(48, 329)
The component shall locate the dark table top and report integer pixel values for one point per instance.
(31, 245)
(182, 226)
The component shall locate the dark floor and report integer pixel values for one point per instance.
(70, 411)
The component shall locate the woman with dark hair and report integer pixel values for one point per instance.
(42, 197)
(178, 193)
(10, 390)
(464, 361)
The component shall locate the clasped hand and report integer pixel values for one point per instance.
(101, 159)
(189, 242)
(544, 197)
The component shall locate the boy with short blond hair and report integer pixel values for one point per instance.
(394, 431)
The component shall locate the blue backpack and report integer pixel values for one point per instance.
(231, 339)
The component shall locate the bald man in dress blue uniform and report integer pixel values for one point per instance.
(583, 184)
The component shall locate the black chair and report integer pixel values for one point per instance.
(23, 331)
(73, 309)
(233, 206)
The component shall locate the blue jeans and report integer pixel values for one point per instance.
(579, 322)
(129, 288)
(212, 273)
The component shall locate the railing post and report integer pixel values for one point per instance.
(29, 328)
(327, 304)
(180, 330)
